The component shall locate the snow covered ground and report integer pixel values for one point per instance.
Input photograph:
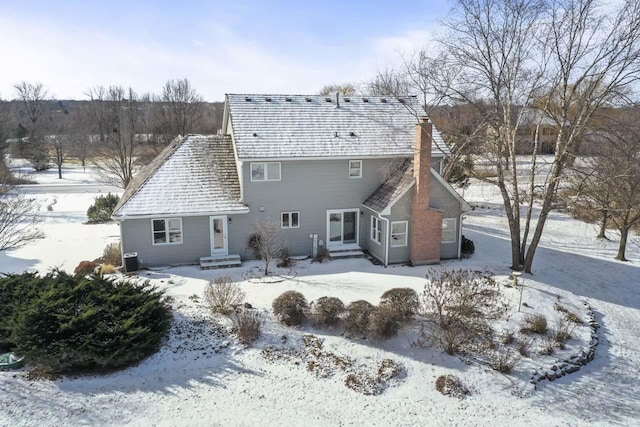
(201, 377)
(71, 173)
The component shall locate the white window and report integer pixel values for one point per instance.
(376, 229)
(290, 220)
(166, 231)
(265, 171)
(355, 168)
(448, 230)
(399, 233)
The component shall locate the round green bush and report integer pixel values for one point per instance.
(70, 323)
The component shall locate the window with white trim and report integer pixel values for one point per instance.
(355, 168)
(166, 231)
(376, 229)
(290, 220)
(448, 230)
(399, 233)
(265, 171)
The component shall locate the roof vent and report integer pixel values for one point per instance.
(288, 99)
(247, 98)
(307, 99)
(352, 134)
(383, 100)
(365, 99)
(347, 99)
(268, 99)
(328, 99)
(255, 134)
(336, 134)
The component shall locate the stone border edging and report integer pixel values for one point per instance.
(573, 363)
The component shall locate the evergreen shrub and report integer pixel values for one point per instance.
(102, 209)
(70, 323)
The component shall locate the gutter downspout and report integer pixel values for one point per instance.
(386, 242)
(460, 237)
(121, 242)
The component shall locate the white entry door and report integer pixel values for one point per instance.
(218, 230)
(342, 227)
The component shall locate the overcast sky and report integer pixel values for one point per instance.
(230, 46)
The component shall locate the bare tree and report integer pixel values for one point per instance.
(568, 59)
(390, 82)
(609, 182)
(179, 111)
(343, 89)
(596, 58)
(269, 243)
(81, 134)
(18, 219)
(59, 138)
(33, 99)
(120, 118)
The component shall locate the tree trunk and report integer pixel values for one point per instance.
(59, 171)
(549, 198)
(624, 234)
(603, 226)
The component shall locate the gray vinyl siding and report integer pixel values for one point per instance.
(441, 199)
(401, 211)
(311, 188)
(195, 242)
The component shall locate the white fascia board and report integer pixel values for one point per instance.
(179, 215)
(349, 157)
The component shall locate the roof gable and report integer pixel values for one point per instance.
(314, 126)
(195, 174)
(396, 186)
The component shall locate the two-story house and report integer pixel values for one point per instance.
(342, 174)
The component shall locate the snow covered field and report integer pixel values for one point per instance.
(201, 377)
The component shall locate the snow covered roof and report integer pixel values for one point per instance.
(195, 174)
(312, 126)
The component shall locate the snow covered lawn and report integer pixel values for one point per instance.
(201, 377)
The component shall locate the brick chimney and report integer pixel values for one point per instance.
(426, 223)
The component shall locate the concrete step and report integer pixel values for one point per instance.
(224, 261)
(346, 254)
